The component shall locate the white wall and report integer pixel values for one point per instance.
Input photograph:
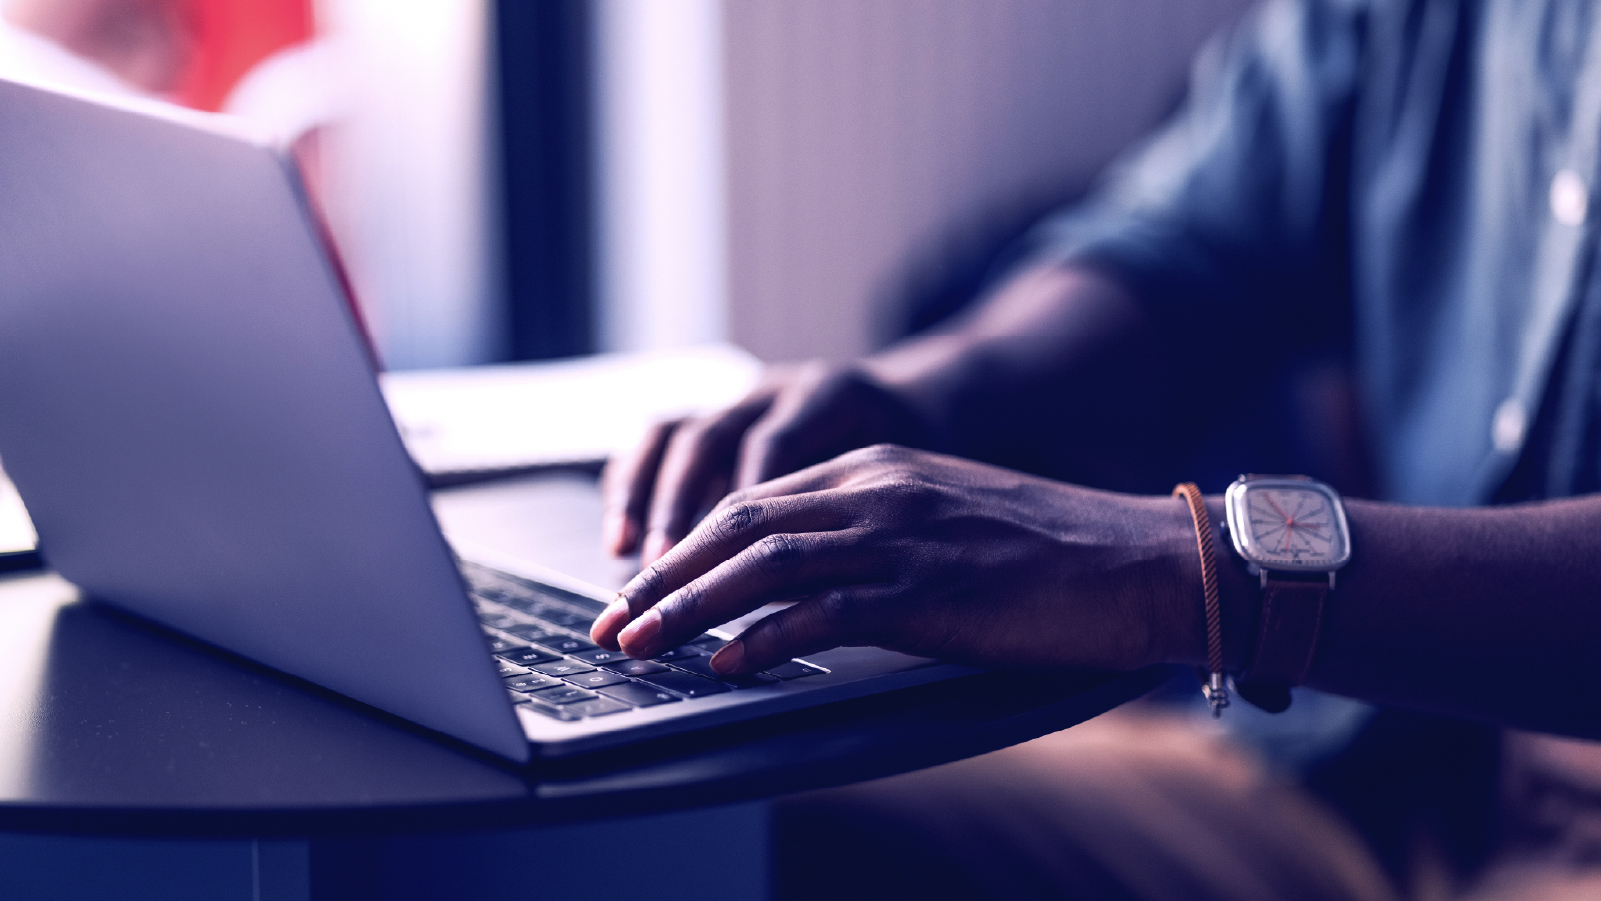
(864, 138)
(770, 170)
(662, 260)
(410, 172)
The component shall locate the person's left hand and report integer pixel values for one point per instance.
(927, 554)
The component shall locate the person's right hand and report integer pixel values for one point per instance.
(798, 416)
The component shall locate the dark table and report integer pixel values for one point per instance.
(111, 727)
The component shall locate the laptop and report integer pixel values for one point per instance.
(190, 413)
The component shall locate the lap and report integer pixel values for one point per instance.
(1132, 805)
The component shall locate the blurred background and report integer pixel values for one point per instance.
(531, 179)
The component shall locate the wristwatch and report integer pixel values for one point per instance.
(1291, 532)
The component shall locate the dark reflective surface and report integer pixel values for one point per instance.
(109, 725)
(102, 716)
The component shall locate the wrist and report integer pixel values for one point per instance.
(1239, 591)
(1179, 618)
(924, 375)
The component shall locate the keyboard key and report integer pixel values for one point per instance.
(510, 669)
(564, 695)
(500, 643)
(635, 667)
(532, 682)
(532, 632)
(517, 602)
(565, 645)
(688, 650)
(496, 619)
(597, 707)
(552, 711)
(526, 656)
(711, 644)
(794, 670)
(596, 679)
(562, 668)
(638, 695)
(600, 656)
(702, 666)
(567, 618)
(685, 684)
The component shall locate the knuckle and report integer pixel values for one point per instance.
(733, 499)
(778, 554)
(737, 519)
(649, 585)
(685, 603)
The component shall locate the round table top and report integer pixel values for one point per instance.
(112, 726)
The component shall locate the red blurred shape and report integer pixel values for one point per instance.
(231, 37)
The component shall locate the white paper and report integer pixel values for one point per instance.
(16, 529)
(489, 418)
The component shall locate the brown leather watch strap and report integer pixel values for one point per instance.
(1286, 640)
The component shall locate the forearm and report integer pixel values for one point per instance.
(1492, 613)
(1049, 332)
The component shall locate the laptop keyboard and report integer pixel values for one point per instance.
(540, 638)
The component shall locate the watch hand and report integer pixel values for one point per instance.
(1289, 521)
(1276, 508)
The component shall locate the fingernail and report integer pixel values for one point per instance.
(641, 633)
(731, 659)
(609, 619)
(617, 532)
(656, 544)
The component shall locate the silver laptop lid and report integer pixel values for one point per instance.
(190, 416)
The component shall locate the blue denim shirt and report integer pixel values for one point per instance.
(1424, 169)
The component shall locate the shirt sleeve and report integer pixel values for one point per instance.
(1237, 204)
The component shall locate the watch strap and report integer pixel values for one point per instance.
(1287, 636)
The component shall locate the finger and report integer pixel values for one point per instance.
(807, 423)
(697, 452)
(626, 486)
(818, 477)
(720, 537)
(827, 620)
(778, 567)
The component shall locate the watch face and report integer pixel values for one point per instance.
(1288, 524)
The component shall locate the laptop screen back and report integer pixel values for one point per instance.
(188, 411)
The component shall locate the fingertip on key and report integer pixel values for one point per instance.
(636, 640)
(610, 620)
(730, 659)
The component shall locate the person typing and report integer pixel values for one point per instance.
(1403, 186)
